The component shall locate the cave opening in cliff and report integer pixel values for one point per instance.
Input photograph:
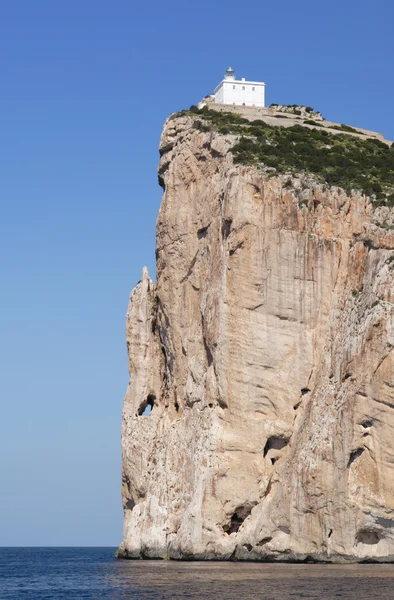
(226, 228)
(365, 536)
(146, 407)
(355, 455)
(238, 517)
(234, 524)
(275, 442)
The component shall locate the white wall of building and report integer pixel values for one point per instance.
(219, 98)
(247, 93)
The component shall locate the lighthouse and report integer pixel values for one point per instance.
(239, 92)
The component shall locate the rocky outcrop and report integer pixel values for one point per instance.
(265, 353)
(304, 111)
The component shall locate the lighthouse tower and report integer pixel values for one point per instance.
(239, 92)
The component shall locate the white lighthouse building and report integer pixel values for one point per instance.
(240, 92)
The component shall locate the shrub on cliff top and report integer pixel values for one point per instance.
(346, 128)
(338, 159)
(315, 123)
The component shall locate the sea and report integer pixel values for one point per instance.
(95, 574)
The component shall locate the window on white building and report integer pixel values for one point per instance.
(233, 87)
(252, 89)
(243, 87)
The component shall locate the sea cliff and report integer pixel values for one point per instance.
(264, 349)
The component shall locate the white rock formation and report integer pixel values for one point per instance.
(266, 350)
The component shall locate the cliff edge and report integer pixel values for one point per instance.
(264, 350)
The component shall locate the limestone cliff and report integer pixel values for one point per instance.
(265, 349)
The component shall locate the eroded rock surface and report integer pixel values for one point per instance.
(265, 351)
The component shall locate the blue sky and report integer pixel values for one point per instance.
(86, 87)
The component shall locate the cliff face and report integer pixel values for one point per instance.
(266, 350)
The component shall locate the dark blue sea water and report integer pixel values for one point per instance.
(94, 574)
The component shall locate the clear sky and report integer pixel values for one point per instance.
(85, 89)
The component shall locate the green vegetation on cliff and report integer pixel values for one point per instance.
(338, 159)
